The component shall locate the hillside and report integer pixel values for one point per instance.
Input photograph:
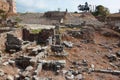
(69, 18)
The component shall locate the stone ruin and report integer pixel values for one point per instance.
(87, 34)
(27, 64)
(57, 46)
(44, 35)
(22, 62)
(13, 43)
(53, 65)
(30, 58)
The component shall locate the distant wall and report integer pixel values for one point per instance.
(15, 32)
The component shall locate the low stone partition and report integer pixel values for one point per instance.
(17, 32)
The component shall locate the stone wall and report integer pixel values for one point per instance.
(27, 36)
(15, 32)
(40, 37)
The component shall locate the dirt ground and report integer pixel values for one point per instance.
(93, 53)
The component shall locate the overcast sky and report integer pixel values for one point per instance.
(71, 5)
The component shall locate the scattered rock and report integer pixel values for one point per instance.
(25, 73)
(16, 76)
(84, 63)
(10, 77)
(118, 53)
(57, 48)
(79, 77)
(68, 44)
(109, 32)
(0, 53)
(39, 68)
(64, 71)
(69, 76)
(111, 57)
(33, 61)
(12, 63)
(5, 63)
(27, 78)
(29, 68)
(93, 66)
(1, 72)
(35, 51)
(41, 55)
(41, 78)
(85, 33)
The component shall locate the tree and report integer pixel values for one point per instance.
(101, 11)
(84, 7)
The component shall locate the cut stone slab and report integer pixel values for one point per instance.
(68, 44)
(79, 77)
(29, 68)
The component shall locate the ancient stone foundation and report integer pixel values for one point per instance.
(15, 32)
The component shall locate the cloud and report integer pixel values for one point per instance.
(71, 5)
(45, 5)
(30, 5)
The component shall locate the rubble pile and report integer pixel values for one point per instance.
(86, 34)
(109, 33)
(114, 60)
